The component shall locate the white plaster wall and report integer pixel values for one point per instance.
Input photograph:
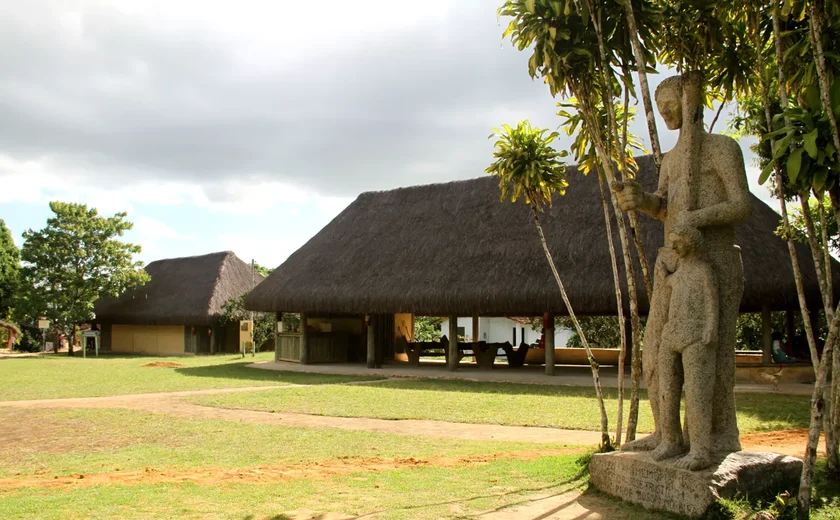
(499, 330)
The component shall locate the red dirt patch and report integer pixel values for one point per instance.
(787, 442)
(164, 364)
(267, 473)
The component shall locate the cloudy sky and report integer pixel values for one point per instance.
(248, 125)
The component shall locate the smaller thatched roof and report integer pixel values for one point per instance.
(182, 291)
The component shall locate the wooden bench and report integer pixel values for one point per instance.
(485, 354)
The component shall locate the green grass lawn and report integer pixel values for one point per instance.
(494, 403)
(57, 443)
(60, 376)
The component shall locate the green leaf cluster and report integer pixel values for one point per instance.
(9, 270)
(75, 260)
(526, 164)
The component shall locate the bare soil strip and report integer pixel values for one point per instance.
(269, 473)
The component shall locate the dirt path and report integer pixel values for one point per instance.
(171, 404)
(788, 442)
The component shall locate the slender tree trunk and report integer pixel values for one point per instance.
(644, 86)
(829, 282)
(606, 160)
(635, 362)
(815, 32)
(803, 499)
(817, 253)
(619, 303)
(816, 23)
(596, 378)
(797, 273)
(72, 340)
(717, 115)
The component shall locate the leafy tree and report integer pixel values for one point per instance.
(234, 311)
(75, 260)
(427, 328)
(265, 271)
(601, 331)
(9, 270)
(528, 166)
(798, 226)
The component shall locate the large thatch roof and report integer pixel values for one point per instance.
(455, 248)
(182, 291)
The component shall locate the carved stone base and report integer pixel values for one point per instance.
(637, 478)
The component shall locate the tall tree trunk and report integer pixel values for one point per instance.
(619, 304)
(596, 377)
(803, 499)
(72, 340)
(797, 274)
(817, 253)
(816, 23)
(635, 362)
(644, 86)
(606, 161)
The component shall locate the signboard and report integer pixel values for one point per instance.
(90, 333)
(48, 346)
(43, 324)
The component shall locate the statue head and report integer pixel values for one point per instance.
(669, 101)
(686, 240)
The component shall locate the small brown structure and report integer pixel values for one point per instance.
(178, 311)
(454, 250)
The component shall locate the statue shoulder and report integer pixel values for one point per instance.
(719, 143)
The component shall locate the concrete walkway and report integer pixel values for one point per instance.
(565, 375)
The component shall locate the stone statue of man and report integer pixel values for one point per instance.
(702, 185)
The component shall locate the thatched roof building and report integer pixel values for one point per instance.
(184, 294)
(182, 290)
(454, 248)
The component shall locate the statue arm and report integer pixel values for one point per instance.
(736, 208)
(632, 197)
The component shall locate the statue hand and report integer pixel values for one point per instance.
(709, 337)
(630, 194)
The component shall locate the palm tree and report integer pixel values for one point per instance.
(528, 166)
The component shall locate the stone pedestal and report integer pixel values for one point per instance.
(637, 478)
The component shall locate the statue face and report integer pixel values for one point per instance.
(670, 106)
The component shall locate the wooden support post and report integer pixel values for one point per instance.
(371, 342)
(453, 343)
(548, 337)
(213, 330)
(304, 340)
(475, 333)
(766, 335)
(790, 323)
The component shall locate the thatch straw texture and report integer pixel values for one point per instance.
(454, 248)
(182, 291)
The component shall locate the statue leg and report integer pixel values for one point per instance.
(657, 318)
(730, 275)
(670, 392)
(699, 366)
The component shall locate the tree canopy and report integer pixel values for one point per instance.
(75, 260)
(9, 270)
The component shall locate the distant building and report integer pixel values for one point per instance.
(499, 330)
(178, 311)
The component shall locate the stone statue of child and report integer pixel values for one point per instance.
(687, 352)
(702, 184)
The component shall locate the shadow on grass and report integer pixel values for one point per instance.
(240, 372)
